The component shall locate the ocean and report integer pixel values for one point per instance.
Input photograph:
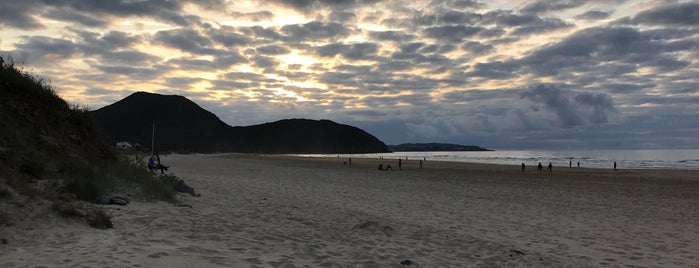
(626, 159)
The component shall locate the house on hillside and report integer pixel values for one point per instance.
(123, 145)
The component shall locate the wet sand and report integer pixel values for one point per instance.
(276, 211)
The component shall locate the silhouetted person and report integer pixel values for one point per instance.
(380, 166)
(523, 167)
(614, 165)
(578, 163)
(400, 164)
(570, 163)
(420, 163)
(539, 167)
(152, 165)
(350, 161)
(550, 168)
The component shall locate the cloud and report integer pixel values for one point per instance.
(682, 14)
(309, 5)
(593, 15)
(272, 50)
(315, 30)
(20, 14)
(353, 52)
(452, 33)
(183, 39)
(571, 108)
(551, 5)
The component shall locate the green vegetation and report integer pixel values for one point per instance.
(44, 139)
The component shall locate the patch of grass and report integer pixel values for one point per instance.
(43, 137)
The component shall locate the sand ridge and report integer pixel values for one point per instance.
(278, 211)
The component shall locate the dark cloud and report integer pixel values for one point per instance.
(477, 48)
(551, 5)
(315, 30)
(266, 63)
(64, 14)
(272, 50)
(464, 4)
(343, 17)
(38, 49)
(593, 15)
(522, 24)
(452, 33)
(228, 58)
(682, 14)
(396, 36)
(458, 17)
(228, 37)
(20, 14)
(571, 108)
(353, 52)
(183, 39)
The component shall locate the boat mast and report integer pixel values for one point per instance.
(152, 141)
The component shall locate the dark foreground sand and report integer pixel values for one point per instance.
(274, 211)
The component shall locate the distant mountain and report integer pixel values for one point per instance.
(183, 126)
(440, 147)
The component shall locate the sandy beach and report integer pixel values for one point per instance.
(277, 211)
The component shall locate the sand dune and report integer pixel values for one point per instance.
(274, 211)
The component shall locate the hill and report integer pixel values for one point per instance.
(183, 126)
(49, 149)
(437, 147)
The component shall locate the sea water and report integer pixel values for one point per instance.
(625, 159)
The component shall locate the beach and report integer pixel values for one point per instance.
(283, 211)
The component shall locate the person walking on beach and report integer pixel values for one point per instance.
(550, 168)
(570, 163)
(400, 164)
(420, 163)
(614, 165)
(578, 163)
(539, 167)
(523, 167)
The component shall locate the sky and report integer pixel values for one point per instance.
(560, 74)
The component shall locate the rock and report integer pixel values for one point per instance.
(406, 262)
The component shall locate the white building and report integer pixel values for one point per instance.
(123, 145)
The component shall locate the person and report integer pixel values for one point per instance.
(152, 165)
(614, 165)
(550, 168)
(420, 163)
(578, 163)
(570, 163)
(350, 161)
(400, 164)
(539, 167)
(523, 167)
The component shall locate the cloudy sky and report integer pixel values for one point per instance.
(559, 74)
